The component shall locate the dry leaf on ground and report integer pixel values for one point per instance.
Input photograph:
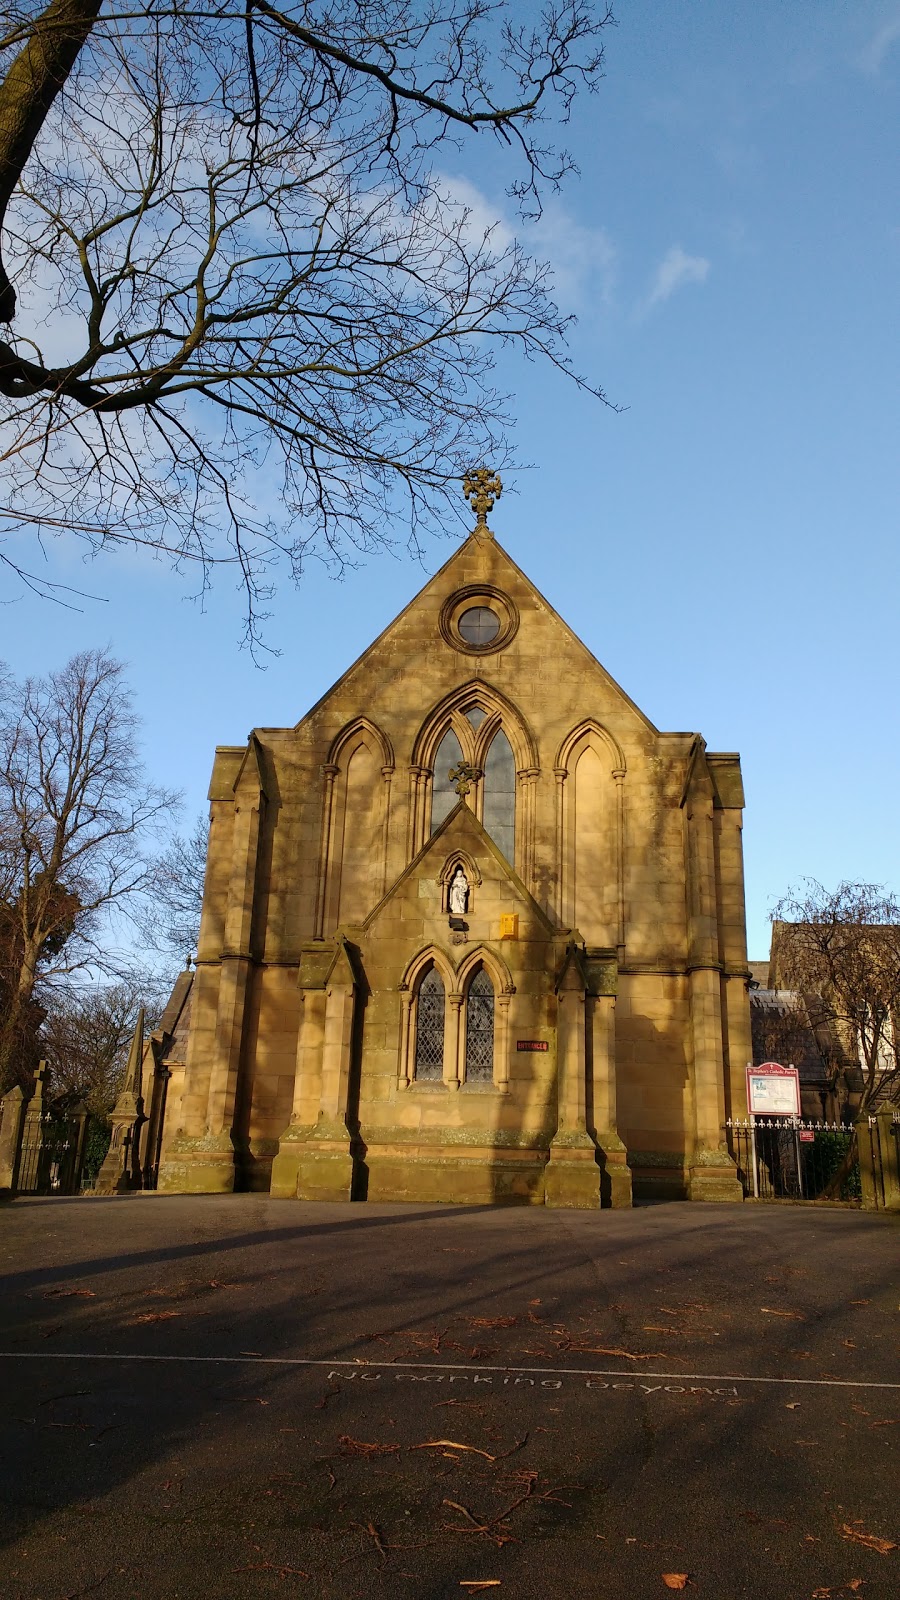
(675, 1580)
(771, 1312)
(871, 1541)
(152, 1316)
(358, 1447)
(452, 1444)
(67, 1294)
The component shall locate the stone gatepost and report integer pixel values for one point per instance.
(890, 1156)
(121, 1170)
(12, 1117)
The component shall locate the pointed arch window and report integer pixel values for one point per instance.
(430, 1006)
(500, 794)
(443, 796)
(480, 1029)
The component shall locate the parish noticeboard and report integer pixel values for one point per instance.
(773, 1090)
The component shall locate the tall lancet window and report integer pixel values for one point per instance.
(443, 795)
(500, 794)
(430, 1028)
(480, 1029)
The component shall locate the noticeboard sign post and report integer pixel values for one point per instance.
(773, 1090)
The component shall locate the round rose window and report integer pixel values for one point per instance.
(479, 625)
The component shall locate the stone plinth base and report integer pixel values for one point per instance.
(490, 1178)
(205, 1165)
(615, 1173)
(714, 1178)
(325, 1175)
(572, 1179)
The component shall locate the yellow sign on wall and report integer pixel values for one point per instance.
(509, 925)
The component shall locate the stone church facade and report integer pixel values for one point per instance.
(473, 930)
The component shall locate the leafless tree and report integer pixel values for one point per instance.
(253, 318)
(86, 1034)
(170, 918)
(843, 947)
(76, 812)
(781, 1029)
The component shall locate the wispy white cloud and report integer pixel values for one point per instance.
(582, 259)
(871, 57)
(675, 270)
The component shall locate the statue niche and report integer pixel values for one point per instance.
(458, 896)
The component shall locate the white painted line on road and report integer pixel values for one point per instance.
(439, 1366)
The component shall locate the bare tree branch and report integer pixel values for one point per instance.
(254, 322)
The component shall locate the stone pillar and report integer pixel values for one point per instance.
(329, 773)
(307, 1094)
(619, 780)
(406, 1064)
(121, 1169)
(213, 1160)
(890, 1157)
(615, 1183)
(868, 1177)
(563, 885)
(326, 1164)
(572, 1176)
(712, 1174)
(12, 1117)
(501, 1047)
(454, 1043)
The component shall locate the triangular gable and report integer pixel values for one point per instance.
(476, 541)
(461, 830)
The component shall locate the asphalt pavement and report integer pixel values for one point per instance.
(240, 1397)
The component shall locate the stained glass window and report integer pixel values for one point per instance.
(443, 795)
(480, 1029)
(500, 794)
(430, 1028)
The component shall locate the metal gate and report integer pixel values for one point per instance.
(52, 1153)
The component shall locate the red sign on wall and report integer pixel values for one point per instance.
(532, 1044)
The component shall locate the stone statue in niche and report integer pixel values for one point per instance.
(458, 899)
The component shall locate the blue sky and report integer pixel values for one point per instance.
(726, 543)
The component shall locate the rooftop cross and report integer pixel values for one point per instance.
(482, 488)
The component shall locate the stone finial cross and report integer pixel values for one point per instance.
(462, 777)
(482, 488)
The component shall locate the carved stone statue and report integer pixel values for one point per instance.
(459, 893)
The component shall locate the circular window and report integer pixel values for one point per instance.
(479, 619)
(479, 625)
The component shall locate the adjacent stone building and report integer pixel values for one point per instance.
(473, 930)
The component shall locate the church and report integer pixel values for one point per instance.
(473, 930)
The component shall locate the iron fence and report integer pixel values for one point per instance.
(791, 1158)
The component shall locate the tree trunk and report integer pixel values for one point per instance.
(832, 1190)
(27, 93)
(12, 1023)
